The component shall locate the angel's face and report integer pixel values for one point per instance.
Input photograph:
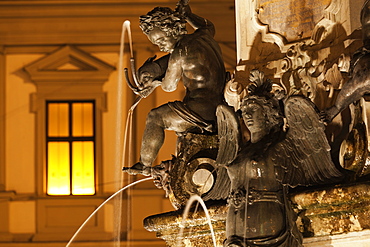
(254, 118)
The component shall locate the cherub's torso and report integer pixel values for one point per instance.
(203, 71)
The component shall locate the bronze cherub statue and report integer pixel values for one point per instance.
(195, 59)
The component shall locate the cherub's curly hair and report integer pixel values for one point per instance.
(164, 18)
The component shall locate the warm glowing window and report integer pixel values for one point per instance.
(70, 138)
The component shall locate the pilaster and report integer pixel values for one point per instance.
(2, 119)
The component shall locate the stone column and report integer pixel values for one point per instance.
(4, 196)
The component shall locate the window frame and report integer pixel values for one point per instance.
(70, 139)
(38, 106)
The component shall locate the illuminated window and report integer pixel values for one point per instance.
(70, 146)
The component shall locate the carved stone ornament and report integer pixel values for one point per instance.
(315, 64)
(299, 20)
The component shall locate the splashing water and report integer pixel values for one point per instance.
(120, 153)
(128, 129)
(192, 199)
(101, 205)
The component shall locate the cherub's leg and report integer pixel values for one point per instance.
(158, 120)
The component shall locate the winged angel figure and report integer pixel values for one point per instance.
(287, 147)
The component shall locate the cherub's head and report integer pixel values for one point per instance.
(164, 27)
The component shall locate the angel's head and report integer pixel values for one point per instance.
(261, 116)
(260, 110)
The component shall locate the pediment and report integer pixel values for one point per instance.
(69, 64)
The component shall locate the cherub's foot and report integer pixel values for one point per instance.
(138, 168)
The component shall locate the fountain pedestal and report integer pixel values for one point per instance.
(196, 231)
(334, 216)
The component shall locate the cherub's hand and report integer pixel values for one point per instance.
(148, 88)
(183, 8)
(148, 71)
(146, 78)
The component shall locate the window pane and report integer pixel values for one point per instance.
(83, 176)
(58, 178)
(82, 119)
(58, 119)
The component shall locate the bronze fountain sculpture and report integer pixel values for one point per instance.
(195, 59)
(259, 212)
(253, 154)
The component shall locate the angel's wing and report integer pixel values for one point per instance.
(229, 142)
(228, 135)
(304, 155)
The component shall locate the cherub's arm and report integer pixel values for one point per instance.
(173, 72)
(153, 69)
(194, 20)
(150, 75)
(169, 82)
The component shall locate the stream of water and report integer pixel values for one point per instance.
(191, 200)
(101, 205)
